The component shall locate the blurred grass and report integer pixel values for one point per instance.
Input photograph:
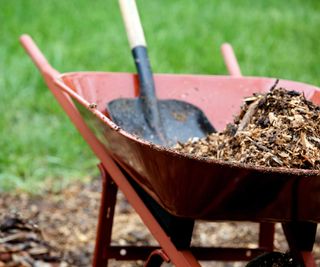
(38, 143)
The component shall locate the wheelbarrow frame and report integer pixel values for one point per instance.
(113, 177)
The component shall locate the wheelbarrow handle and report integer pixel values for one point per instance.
(230, 60)
(37, 56)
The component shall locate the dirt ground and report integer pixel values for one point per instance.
(67, 221)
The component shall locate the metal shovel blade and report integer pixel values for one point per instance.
(180, 120)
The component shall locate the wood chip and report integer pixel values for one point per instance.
(248, 115)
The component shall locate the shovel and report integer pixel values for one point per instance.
(163, 122)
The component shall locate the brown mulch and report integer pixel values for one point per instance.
(62, 228)
(22, 244)
(276, 129)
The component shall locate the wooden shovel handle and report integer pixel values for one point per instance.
(132, 23)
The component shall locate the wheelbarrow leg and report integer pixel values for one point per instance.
(301, 237)
(105, 220)
(266, 236)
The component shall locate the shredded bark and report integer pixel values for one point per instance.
(280, 128)
(22, 245)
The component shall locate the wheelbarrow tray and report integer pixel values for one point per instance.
(185, 185)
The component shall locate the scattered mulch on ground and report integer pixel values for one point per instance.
(22, 244)
(276, 129)
(66, 227)
(67, 219)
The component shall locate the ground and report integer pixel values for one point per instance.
(68, 218)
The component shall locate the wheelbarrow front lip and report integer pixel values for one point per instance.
(59, 81)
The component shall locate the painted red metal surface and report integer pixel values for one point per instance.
(179, 258)
(184, 185)
(188, 186)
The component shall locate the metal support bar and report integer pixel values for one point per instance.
(225, 253)
(301, 238)
(201, 253)
(105, 219)
(266, 236)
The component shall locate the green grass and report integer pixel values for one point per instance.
(37, 141)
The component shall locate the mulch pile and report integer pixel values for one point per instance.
(276, 129)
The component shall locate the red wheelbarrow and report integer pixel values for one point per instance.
(170, 190)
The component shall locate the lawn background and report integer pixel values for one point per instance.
(38, 143)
